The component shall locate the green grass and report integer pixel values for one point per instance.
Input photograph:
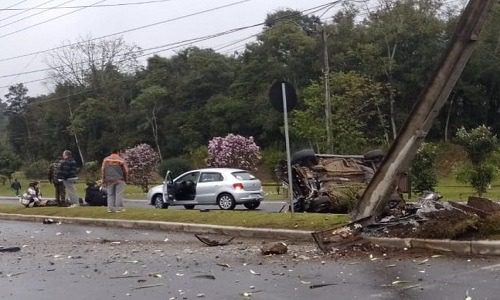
(251, 219)
(131, 191)
(451, 189)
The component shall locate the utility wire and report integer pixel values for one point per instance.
(143, 27)
(23, 12)
(193, 40)
(49, 20)
(84, 6)
(14, 5)
(27, 17)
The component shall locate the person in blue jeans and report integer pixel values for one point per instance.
(114, 172)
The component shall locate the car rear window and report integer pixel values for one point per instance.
(243, 176)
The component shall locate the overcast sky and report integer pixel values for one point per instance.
(101, 21)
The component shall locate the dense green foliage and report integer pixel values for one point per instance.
(479, 143)
(423, 170)
(379, 62)
(176, 165)
(36, 170)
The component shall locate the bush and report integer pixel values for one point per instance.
(479, 144)
(233, 151)
(176, 165)
(37, 170)
(92, 170)
(9, 162)
(199, 157)
(423, 171)
(142, 163)
(270, 159)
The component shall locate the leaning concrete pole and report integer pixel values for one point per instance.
(426, 109)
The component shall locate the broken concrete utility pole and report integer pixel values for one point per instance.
(426, 109)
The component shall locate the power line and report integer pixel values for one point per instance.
(14, 5)
(129, 30)
(198, 39)
(84, 6)
(23, 12)
(49, 20)
(27, 17)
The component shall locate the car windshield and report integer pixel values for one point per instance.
(242, 175)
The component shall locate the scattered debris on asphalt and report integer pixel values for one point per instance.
(147, 286)
(124, 276)
(211, 242)
(48, 221)
(204, 276)
(9, 249)
(274, 249)
(320, 285)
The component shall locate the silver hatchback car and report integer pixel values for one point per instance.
(224, 187)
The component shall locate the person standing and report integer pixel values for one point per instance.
(16, 186)
(60, 192)
(67, 175)
(114, 172)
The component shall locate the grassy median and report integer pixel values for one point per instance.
(251, 219)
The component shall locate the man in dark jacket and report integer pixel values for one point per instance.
(67, 174)
(16, 186)
(60, 192)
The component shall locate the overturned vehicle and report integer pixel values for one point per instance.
(330, 183)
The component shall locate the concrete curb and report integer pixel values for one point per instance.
(264, 233)
(483, 247)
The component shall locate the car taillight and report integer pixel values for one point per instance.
(238, 186)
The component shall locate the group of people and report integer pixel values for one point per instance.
(63, 175)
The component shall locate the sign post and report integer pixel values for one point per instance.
(287, 142)
(283, 98)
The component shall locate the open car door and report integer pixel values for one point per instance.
(168, 193)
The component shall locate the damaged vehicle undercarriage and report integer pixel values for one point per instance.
(326, 183)
(329, 183)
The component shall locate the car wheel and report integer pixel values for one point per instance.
(376, 154)
(158, 201)
(252, 205)
(189, 206)
(226, 201)
(305, 157)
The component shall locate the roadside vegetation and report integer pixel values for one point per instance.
(245, 218)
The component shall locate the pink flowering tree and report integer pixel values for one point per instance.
(142, 163)
(233, 151)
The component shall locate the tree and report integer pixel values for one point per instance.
(356, 116)
(233, 151)
(479, 143)
(406, 36)
(19, 126)
(423, 171)
(142, 163)
(85, 62)
(149, 103)
(9, 162)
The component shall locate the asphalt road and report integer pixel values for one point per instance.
(270, 206)
(62, 261)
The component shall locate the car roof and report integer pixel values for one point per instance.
(222, 170)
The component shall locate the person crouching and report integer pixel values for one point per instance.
(32, 196)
